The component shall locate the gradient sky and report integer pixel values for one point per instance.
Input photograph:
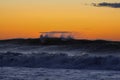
(26, 18)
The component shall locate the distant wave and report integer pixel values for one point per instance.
(74, 47)
(61, 60)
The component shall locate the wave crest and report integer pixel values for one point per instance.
(61, 60)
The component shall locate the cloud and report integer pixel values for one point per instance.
(105, 4)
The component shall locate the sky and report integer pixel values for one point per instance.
(88, 19)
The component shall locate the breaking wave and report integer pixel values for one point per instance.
(61, 60)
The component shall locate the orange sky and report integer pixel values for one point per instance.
(26, 18)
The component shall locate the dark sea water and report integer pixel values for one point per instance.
(53, 62)
(13, 73)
